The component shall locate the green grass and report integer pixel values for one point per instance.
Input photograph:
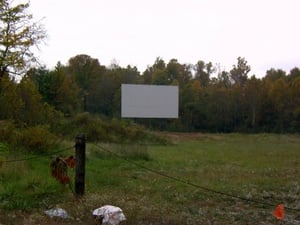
(263, 168)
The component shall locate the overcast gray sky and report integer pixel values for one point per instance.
(134, 32)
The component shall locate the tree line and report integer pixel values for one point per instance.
(210, 99)
(229, 101)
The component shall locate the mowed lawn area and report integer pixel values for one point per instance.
(195, 179)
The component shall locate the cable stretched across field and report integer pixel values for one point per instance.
(193, 184)
(38, 156)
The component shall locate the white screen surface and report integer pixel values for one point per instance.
(149, 101)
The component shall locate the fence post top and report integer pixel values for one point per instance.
(80, 139)
(80, 136)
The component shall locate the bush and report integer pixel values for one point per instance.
(7, 129)
(91, 126)
(98, 129)
(35, 139)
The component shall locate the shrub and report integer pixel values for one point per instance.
(91, 126)
(3, 153)
(98, 129)
(83, 123)
(35, 139)
(7, 129)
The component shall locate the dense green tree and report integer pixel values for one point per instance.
(87, 73)
(273, 74)
(57, 88)
(220, 110)
(159, 64)
(147, 77)
(179, 72)
(280, 96)
(31, 112)
(294, 74)
(239, 72)
(295, 96)
(40, 77)
(197, 89)
(188, 106)
(64, 91)
(101, 96)
(34, 110)
(172, 73)
(252, 91)
(203, 72)
(156, 74)
(192, 102)
(129, 75)
(18, 34)
(237, 107)
(160, 77)
(224, 79)
(85, 70)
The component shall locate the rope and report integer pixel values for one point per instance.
(195, 185)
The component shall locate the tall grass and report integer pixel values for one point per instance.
(263, 168)
(27, 185)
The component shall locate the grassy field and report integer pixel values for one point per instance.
(198, 179)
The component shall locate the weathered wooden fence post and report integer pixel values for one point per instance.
(80, 164)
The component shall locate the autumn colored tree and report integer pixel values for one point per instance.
(230, 102)
(34, 110)
(18, 34)
(11, 103)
